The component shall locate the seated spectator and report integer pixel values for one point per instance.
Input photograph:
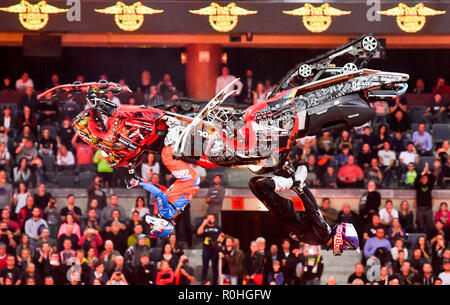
(387, 160)
(108, 256)
(90, 220)
(330, 214)
(400, 258)
(373, 173)
(312, 177)
(443, 215)
(184, 274)
(42, 197)
(426, 276)
(66, 134)
(307, 148)
(325, 144)
(8, 120)
(374, 243)
(406, 275)
(343, 156)
(154, 97)
(117, 278)
(422, 140)
(406, 217)
(99, 273)
(22, 173)
(165, 275)
(67, 255)
(69, 226)
(445, 275)
(65, 159)
(67, 234)
(396, 231)
(72, 209)
(347, 215)
(91, 239)
(9, 224)
(371, 229)
(70, 109)
(365, 156)
(27, 118)
(116, 233)
(380, 138)
(345, 140)
(47, 145)
(423, 245)
(10, 271)
(52, 217)
(150, 167)
(350, 175)
(145, 272)
(398, 142)
(409, 155)
(24, 243)
(438, 173)
(5, 157)
(388, 213)
(140, 207)
(201, 172)
(133, 239)
(443, 152)
(168, 256)
(30, 273)
(26, 212)
(436, 111)
(45, 237)
(368, 137)
(417, 261)
(34, 225)
(358, 274)
(438, 247)
(134, 221)
(20, 198)
(114, 205)
(438, 229)
(329, 178)
(84, 152)
(400, 122)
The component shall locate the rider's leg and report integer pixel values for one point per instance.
(164, 207)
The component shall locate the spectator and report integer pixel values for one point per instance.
(10, 271)
(343, 156)
(438, 247)
(165, 275)
(140, 207)
(103, 170)
(240, 260)
(438, 229)
(65, 159)
(113, 205)
(422, 244)
(71, 208)
(443, 215)
(116, 234)
(166, 87)
(84, 153)
(397, 248)
(255, 265)
(47, 239)
(133, 253)
(249, 86)
(445, 275)
(150, 167)
(388, 213)
(374, 243)
(422, 140)
(371, 229)
(22, 173)
(225, 79)
(417, 261)
(66, 134)
(90, 239)
(406, 217)
(168, 256)
(227, 258)
(387, 160)
(108, 256)
(350, 175)
(331, 281)
(409, 155)
(398, 142)
(400, 122)
(313, 266)
(133, 238)
(329, 178)
(35, 225)
(146, 271)
(276, 276)
(209, 231)
(358, 274)
(90, 220)
(27, 118)
(345, 140)
(426, 277)
(6, 197)
(99, 273)
(67, 255)
(410, 175)
(5, 157)
(396, 232)
(365, 156)
(117, 278)
(47, 145)
(424, 185)
(52, 217)
(436, 111)
(184, 274)
(373, 173)
(67, 234)
(146, 80)
(379, 139)
(95, 192)
(42, 197)
(368, 137)
(406, 276)
(70, 220)
(325, 144)
(24, 82)
(313, 175)
(330, 214)
(26, 212)
(20, 197)
(347, 215)
(8, 120)
(154, 98)
(214, 198)
(259, 94)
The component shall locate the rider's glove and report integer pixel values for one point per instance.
(134, 182)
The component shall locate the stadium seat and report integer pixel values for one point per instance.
(417, 113)
(85, 179)
(65, 181)
(441, 132)
(49, 163)
(87, 168)
(411, 241)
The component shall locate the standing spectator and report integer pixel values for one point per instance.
(214, 199)
(24, 82)
(52, 217)
(259, 94)
(25, 213)
(103, 169)
(84, 152)
(166, 87)
(358, 274)
(67, 255)
(154, 98)
(224, 80)
(209, 231)
(288, 262)
(330, 214)
(249, 85)
(388, 213)
(66, 134)
(228, 258)
(350, 175)
(424, 185)
(95, 192)
(42, 197)
(276, 276)
(22, 172)
(443, 215)
(422, 140)
(72, 209)
(255, 265)
(146, 271)
(313, 266)
(406, 217)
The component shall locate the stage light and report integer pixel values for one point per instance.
(224, 58)
(183, 58)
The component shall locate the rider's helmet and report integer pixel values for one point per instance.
(345, 237)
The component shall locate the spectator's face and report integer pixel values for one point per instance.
(25, 77)
(367, 131)
(276, 267)
(351, 160)
(249, 73)
(410, 147)
(7, 112)
(439, 225)
(5, 214)
(421, 128)
(100, 268)
(71, 200)
(424, 180)
(374, 163)
(229, 242)
(142, 242)
(225, 71)
(153, 90)
(166, 77)
(253, 247)
(411, 167)
(365, 148)
(383, 271)
(55, 78)
(2, 250)
(138, 230)
(69, 229)
(49, 281)
(115, 228)
(447, 266)
(404, 205)
(109, 246)
(359, 269)
(389, 206)
(67, 244)
(115, 214)
(427, 268)
(420, 83)
(7, 82)
(30, 202)
(261, 245)
(217, 180)
(346, 209)
(94, 203)
(311, 160)
(29, 91)
(386, 146)
(437, 98)
(399, 116)
(375, 220)
(236, 243)
(211, 219)
(330, 170)
(436, 164)
(380, 233)
(417, 254)
(135, 216)
(440, 82)
(119, 261)
(155, 179)
(113, 200)
(331, 280)
(91, 214)
(406, 267)
(326, 204)
(46, 134)
(399, 244)
(36, 212)
(144, 260)
(164, 266)
(10, 261)
(274, 249)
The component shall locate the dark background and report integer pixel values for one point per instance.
(266, 63)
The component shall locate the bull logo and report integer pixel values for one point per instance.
(33, 16)
(223, 18)
(129, 17)
(411, 19)
(317, 19)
